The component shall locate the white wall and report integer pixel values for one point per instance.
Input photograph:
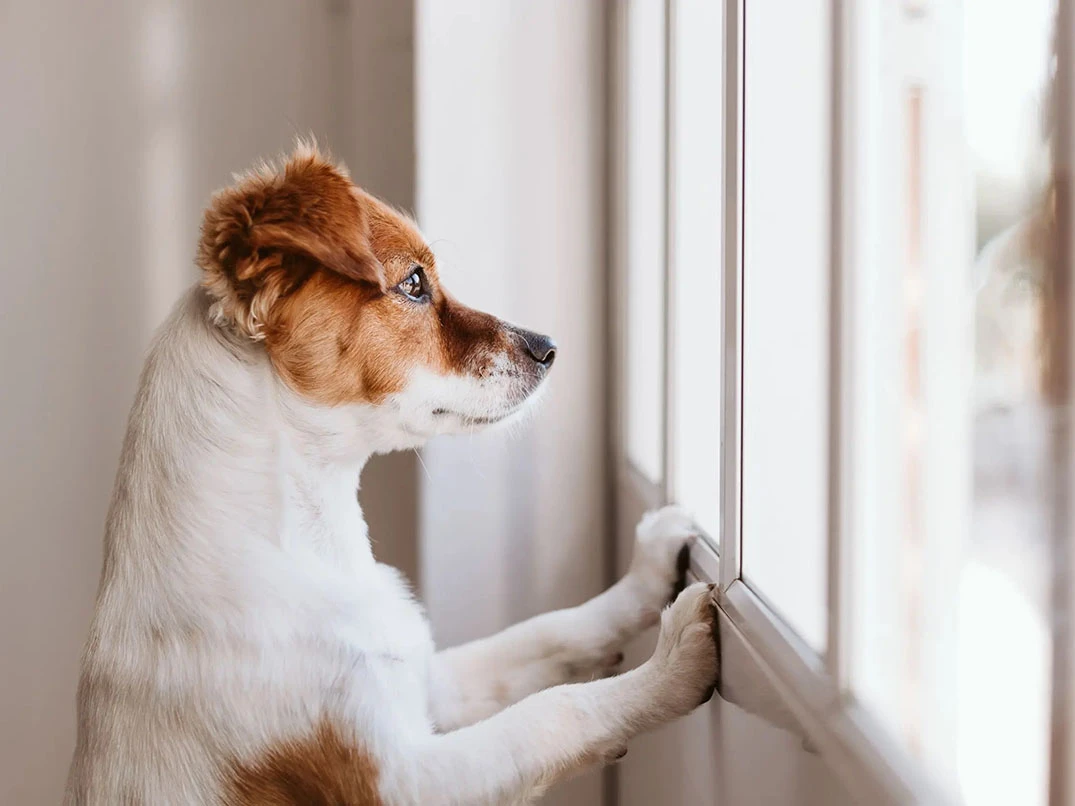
(510, 190)
(119, 119)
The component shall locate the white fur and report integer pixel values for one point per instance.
(240, 603)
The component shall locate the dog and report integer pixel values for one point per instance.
(246, 647)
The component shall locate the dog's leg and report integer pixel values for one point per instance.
(474, 681)
(525, 748)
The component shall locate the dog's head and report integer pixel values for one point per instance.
(344, 293)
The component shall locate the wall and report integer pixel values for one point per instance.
(119, 119)
(510, 191)
(375, 105)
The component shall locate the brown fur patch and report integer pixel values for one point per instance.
(321, 770)
(265, 235)
(302, 259)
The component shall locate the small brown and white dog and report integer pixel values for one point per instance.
(246, 647)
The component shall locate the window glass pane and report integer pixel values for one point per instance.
(952, 413)
(786, 271)
(696, 255)
(644, 337)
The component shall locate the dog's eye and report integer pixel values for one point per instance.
(415, 285)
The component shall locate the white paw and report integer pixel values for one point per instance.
(685, 662)
(660, 538)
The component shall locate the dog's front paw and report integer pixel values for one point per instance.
(685, 663)
(659, 565)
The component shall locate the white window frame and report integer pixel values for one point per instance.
(1062, 766)
(812, 692)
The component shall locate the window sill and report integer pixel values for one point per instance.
(768, 671)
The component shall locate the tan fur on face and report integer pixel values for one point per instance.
(307, 262)
(320, 770)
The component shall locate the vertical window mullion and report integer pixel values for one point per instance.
(839, 361)
(1062, 739)
(731, 310)
(667, 425)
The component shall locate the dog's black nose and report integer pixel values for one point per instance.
(541, 348)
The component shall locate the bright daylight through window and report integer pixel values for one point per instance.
(951, 392)
(894, 225)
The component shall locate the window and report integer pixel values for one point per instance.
(696, 244)
(950, 410)
(786, 279)
(846, 352)
(645, 213)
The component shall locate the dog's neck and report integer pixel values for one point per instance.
(219, 452)
(317, 506)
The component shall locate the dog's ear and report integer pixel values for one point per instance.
(262, 237)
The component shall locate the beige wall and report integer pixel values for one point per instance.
(375, 109)
(510, 190)
(119, 119)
